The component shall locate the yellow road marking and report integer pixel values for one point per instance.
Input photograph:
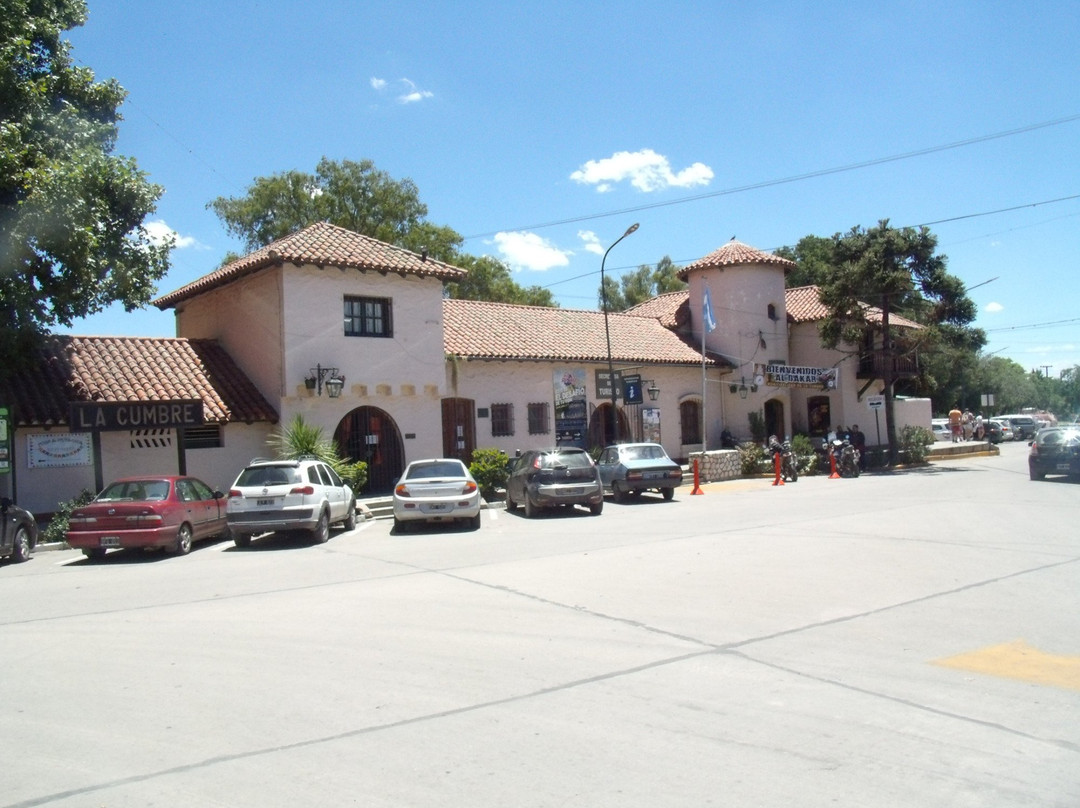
(1018, 660)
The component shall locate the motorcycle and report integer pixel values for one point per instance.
(847, 458)
(789, 466)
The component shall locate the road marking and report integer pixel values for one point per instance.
(1018, 660)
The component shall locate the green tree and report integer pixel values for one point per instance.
(642, 284)
(814, 261)
(350, 194)
(490, 279)
(898, 271)
(71, 212)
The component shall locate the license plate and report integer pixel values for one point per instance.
(570, 492)
(264, 502)
(110, 541)
(438, 506)
(653, 475)
(1063, 466)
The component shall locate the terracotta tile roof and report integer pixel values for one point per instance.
(672, 309)
(70, 368)
(321, 244)
(731, 254)
(482, 330)
(804, 306)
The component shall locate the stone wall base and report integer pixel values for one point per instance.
(714, 466)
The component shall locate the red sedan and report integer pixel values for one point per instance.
(163, 512)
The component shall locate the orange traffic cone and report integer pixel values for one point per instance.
(697, 480)
(832, 462)
(776, 466)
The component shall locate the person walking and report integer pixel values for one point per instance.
(954, 422)
(858, 440)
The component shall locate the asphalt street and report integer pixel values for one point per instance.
(904, 639)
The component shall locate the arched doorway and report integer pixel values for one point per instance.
(600, 427)
(370, 434)
(774, 418)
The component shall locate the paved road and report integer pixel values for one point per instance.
(906, 639)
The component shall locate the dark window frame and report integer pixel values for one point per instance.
(502, 420)
(368, 316)
(539, 422)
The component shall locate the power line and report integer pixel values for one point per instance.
(785, 180)
(1034, 325)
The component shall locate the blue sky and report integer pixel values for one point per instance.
(541, 131)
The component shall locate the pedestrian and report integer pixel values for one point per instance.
(858, 440)
(967, 424)
(954, 422)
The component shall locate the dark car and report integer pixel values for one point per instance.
(545, 478)
(1055, 450)
(627, 469)
(1024, 427)
(18, 531)
(167, 512)
(992, 431)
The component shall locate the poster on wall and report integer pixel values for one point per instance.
(650, 425)
(571, 407)
(58, 451)
(776, 375)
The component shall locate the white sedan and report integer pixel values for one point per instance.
(436, 490)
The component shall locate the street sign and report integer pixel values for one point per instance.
(875, 402)
(631, 386)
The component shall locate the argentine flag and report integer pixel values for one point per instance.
(707, 313)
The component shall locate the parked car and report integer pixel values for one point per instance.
(940, 428)
(992, 431)
(18, 531)
(543, 478)
(1005, 428)
(627, 469)
(304, 495)
(167, 512)
(1024, 427)
(1055, 450)
(437, 490)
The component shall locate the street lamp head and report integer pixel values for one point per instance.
(630, 229)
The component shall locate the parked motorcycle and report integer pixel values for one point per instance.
(789, 465)
(847, 458)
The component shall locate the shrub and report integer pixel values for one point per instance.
(914, 441)
(56, 530)
(489, 467)
(752, 459)
(803, 448)
(298, 438)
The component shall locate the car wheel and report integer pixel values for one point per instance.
(321, 533)
(241, 539)
(474, 523)
(350, 521)
(94, 553)
(20, 549)
(1035, 475)
(617, 492)
(183, 540)
(597, 509)
(669, 493)
(400, 526)
(511, 506)
(531, 510)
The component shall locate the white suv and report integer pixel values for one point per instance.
(303, 495)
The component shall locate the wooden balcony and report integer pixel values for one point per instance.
(872, 365)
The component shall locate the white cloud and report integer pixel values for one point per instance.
(645, 170)
(530, 251)
(993, 308)
(378, 84)
(592, 243)
(158, 232)
(408, 92)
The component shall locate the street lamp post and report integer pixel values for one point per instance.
(607, 333)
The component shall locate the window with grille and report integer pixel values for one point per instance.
(538, 419)
(368, 317)
(206, 436)
(690, 415)
(502, 420)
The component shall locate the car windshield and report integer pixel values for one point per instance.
(1060, 438)
(643, 453)
(573, 460)
(135, 491)
(440, 468)
(269, 475)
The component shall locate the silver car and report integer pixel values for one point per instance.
(289, 495)
(436, 490)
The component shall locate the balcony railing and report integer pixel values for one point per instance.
(872, 365)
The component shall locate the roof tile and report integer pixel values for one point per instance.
(71, 369)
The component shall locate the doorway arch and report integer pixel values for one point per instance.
(371, 435)
(774, 418)
(600, 427)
